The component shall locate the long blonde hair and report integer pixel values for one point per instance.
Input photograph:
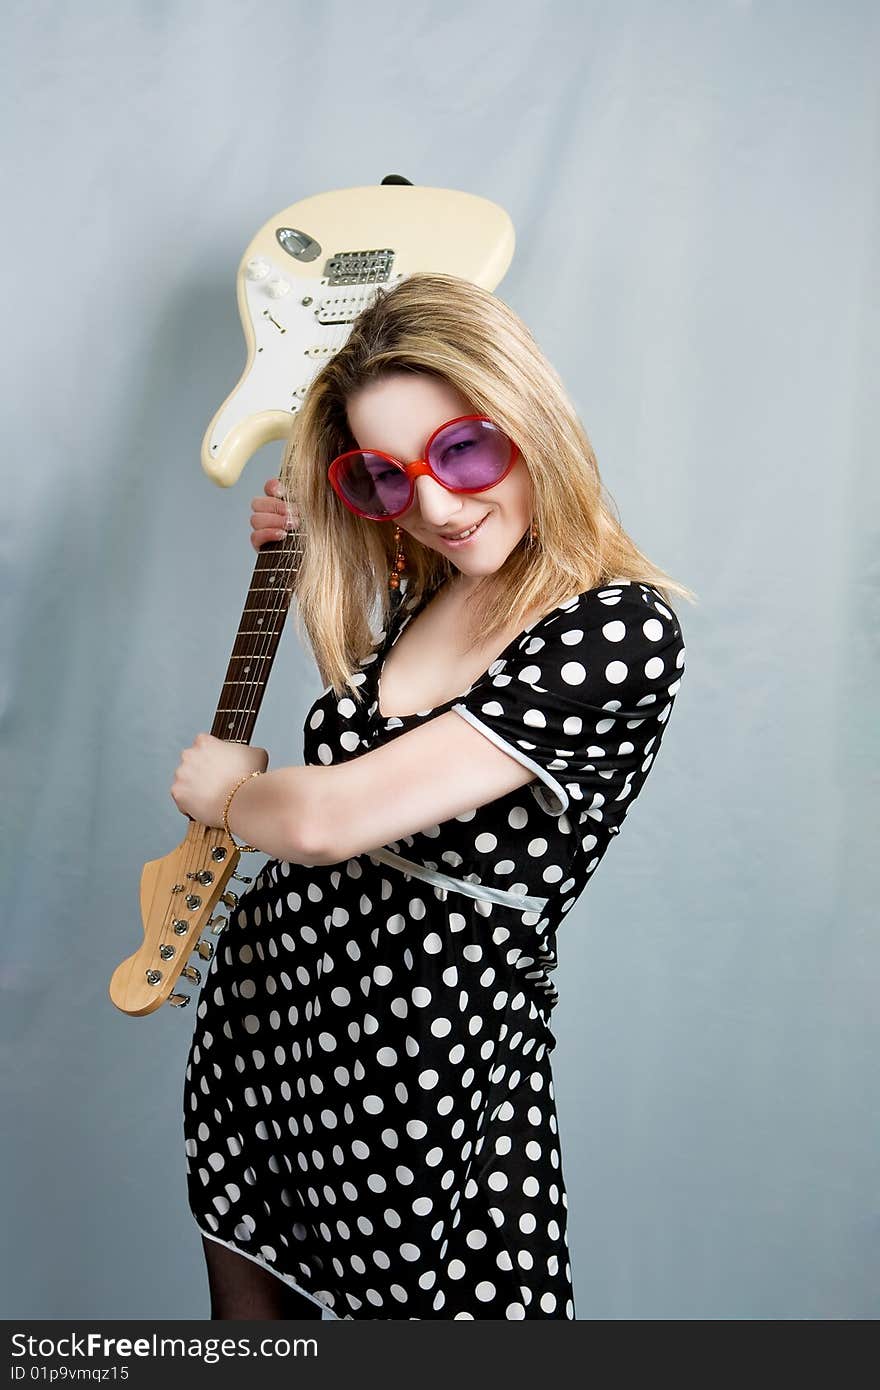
(447, 327)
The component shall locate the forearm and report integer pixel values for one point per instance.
(280, 814)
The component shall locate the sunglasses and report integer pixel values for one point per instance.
(467, 454)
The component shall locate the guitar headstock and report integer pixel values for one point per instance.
(179, 893)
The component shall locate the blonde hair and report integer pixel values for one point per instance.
(447, 327)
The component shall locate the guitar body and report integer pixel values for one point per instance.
(302, 281)
(310, 270)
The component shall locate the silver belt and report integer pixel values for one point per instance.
(520, 901)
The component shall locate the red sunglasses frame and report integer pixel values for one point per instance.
(416, 469)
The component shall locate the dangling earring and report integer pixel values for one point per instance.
(399, 563)
(533, 533)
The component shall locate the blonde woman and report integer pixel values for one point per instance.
(369, 1108)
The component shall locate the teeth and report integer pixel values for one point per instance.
(461, 535)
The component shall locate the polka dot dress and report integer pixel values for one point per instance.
(369, 1109)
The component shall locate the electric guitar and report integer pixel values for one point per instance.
(301, 282)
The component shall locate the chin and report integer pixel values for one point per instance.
(478, 569)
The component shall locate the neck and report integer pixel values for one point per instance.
(465, 584)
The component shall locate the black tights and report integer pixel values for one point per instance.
(241, 1289)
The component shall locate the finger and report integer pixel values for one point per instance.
(271, 511)
(262, 537)
(270, 521)
(274, 490)
(270, 506)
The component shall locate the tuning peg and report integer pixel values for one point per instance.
(242, 877)
(203, 876)
(217, 924)
(229, 899)
(205, 949)
(192, 973)
(179, 1000)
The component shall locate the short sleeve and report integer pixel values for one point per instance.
(582, 697)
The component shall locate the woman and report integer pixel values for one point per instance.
(369, 1109)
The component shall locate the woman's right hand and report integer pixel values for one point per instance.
(271, 518)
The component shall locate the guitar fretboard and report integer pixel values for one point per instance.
(256, 642)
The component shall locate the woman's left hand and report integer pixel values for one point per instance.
(208, 771)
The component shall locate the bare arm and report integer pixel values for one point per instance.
(420, 778)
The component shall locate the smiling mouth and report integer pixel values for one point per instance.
(466, 534)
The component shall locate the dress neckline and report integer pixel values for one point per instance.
(390, 640)
(391, 637)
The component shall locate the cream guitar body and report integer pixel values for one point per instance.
(301, 282)
(310, 270)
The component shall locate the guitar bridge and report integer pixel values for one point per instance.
(359, 267)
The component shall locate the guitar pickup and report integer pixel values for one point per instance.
(344, 308)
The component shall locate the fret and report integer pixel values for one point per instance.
(266, 608)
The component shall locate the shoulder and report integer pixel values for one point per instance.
(621, 634)
(629, 605)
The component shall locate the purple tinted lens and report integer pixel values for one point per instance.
(467, 455)
(372, 484)
(470, 454)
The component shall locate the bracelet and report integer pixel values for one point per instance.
(246, 849)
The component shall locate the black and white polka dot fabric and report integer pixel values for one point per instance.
(369, 1109)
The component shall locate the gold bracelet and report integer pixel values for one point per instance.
(246, 849)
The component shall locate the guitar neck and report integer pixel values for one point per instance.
(256, 642)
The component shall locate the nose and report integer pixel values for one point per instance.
(437, 505)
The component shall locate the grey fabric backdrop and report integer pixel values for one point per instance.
(694, 188)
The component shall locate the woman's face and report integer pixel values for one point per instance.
(396, 415)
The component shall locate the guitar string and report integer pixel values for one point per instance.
(281, 600)
(257, 647)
